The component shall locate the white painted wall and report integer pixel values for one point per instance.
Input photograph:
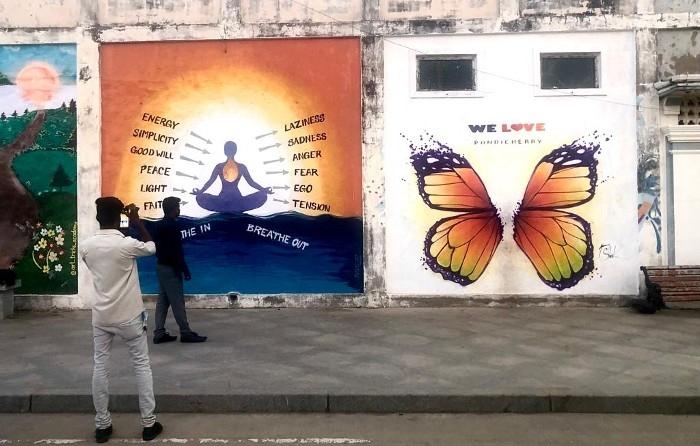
(507, 92)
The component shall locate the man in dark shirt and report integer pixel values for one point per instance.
(171, 269)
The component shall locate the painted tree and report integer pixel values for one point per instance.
(60, 179)
(26, 112)
(3, 117)
(71, 106)
(14, 114)
(63, 106)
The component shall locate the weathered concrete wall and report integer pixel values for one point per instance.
(676, 5)
(648, 167)
(438, 9)
(39, 13)
(132, 12)
(570, 6)
(678, 52)
(318, 11)
(90, 23)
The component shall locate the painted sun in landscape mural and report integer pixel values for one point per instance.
(38, 82)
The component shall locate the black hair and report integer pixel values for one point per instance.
(109, 210)
(170, 204)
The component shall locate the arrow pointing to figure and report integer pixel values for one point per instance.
(266, 134)
(204, 151)
(278, 160)
(175, 189)
(274, 172)
(280, 187)
(180, 174)
(191, 160)
(200, 137)
(281, 201)
(269, 147)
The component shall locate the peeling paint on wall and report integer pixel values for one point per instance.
(438, 9)
(569, 6)
(112, 12)
(678, 52)
(648, 205)
(39, 13)
(316, 11)
(676, 5)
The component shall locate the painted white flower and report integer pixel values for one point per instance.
(36, 247)
(52, 256)
(44, 232)
(59, 240)
(58, 267)
(59, 229)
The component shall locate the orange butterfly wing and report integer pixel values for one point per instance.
(558, 243)
(458, 247)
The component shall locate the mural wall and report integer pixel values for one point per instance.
(260, 140)
(509, 188)
(38, 224)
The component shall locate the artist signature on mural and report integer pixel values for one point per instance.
(73, 251)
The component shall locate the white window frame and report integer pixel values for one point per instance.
(601, 78)
(413, 76)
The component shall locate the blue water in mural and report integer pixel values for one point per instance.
(224, 256)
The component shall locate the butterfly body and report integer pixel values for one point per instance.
(557, 243)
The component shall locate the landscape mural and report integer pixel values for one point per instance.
(38, 223)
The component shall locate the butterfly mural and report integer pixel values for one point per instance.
(557, 242)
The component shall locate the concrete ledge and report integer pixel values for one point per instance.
(438, 403)
(666, 405)
(322, 403)
(15, 403)
(30, 302)
(242, 403)
(66, 403)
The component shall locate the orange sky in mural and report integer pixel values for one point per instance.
(233, 90)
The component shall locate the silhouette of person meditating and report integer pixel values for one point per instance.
(230, 198)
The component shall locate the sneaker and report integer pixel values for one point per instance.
(165, 337)
(150, 433)
(192, 337)
(102, 435)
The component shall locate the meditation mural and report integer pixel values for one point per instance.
(261, 142)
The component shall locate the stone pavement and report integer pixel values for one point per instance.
(379, 360)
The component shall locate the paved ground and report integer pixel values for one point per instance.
(399, 360)
(380, 430)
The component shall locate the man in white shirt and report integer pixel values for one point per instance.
(118, 310)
